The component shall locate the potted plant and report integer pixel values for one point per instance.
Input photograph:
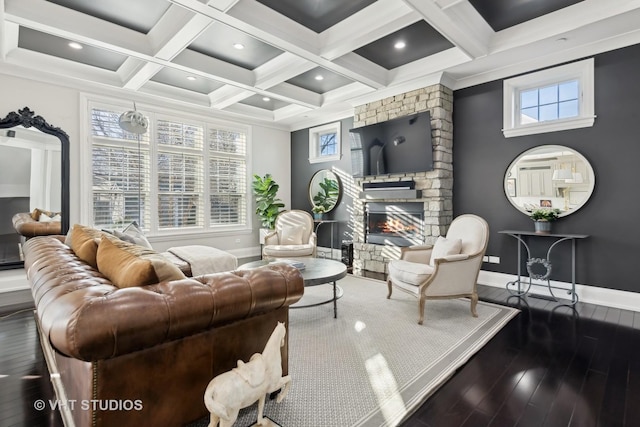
(268, 206)
(318, 210)
(542, 218)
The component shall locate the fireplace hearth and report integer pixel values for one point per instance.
(397, 224)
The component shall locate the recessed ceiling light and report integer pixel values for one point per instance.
(400, 45)
(192, 78)
(238, 46)
(319, 77)
(75, 45)
(266, 99)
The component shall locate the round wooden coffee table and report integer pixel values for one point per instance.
(317, 271)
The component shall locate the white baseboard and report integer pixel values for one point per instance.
(586, 293)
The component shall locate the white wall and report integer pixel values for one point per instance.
(60, 106)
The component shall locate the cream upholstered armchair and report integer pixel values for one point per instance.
(293, 236)
(448, 269)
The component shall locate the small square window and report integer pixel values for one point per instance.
(324, 143)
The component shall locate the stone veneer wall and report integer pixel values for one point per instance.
(436, 185)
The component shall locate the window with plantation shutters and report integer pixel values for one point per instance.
(188, 175)
(120, 172)
(180, 175)
(227, 176)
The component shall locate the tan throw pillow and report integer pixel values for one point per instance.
(84, 242)
(127, 265)
(445, 247)
(292, 235)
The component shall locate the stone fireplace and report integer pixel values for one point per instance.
(432, 190)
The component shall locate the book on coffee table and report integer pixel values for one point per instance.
(297, 264)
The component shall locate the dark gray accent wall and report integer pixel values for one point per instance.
(481, 155)
(302, 172)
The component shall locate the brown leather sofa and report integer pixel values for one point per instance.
(25, 225)
(143, 356)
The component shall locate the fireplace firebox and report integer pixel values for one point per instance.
(397, 224)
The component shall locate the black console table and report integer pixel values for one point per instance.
(516, 287)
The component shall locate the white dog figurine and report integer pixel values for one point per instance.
(240, 387)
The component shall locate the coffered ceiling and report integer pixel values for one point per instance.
(297, 63)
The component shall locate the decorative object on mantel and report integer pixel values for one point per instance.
(542, 219)
(249, 382)
(268, 206)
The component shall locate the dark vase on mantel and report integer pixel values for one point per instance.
(542, 227)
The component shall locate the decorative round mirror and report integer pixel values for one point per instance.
(324, 190)
(549, 176)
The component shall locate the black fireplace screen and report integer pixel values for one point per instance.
(399, 224)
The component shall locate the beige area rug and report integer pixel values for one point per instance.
(373, 365)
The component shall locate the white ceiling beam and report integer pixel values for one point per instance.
(62, 67)
(365, 27)
(345, 93)
(214, 68)
(228, 95)
(173, 33)
(290, 93)
(250, 111)
(141, 76)
(291, 110)
(175, 93)
(265, 24)
(562, 21)
(460, 23)
(222, 5)
(426, 66)
(8, 37)
(281, 68)
(66, 23)
(367, 69)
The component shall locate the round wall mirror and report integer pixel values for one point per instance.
(325, 189)
(549, 176)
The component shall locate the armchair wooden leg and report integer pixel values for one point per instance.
(474, 303)
(390, 286)
(421, 308)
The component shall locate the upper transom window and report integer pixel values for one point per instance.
(550, 100)
(324, 143)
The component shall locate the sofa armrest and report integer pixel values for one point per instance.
(26, 226)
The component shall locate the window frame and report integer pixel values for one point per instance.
(582, 71)
(315, 133)
(155, 113)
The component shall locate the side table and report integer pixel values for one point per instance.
(516, 287)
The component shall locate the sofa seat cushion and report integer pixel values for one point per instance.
(413, 273)
(284, 251)
(127, 265)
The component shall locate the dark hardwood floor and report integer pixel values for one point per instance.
(550, 366)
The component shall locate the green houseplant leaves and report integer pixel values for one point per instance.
(268, 206)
